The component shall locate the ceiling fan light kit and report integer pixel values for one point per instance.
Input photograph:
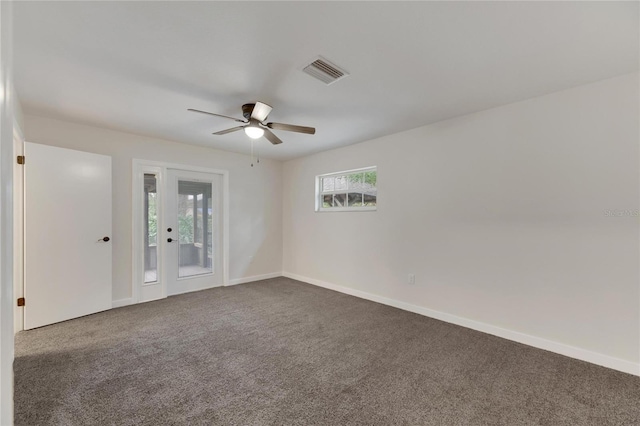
(254, 131)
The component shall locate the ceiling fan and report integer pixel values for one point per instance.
(255, 115)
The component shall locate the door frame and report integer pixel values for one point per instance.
(18, 228)
(142, 292)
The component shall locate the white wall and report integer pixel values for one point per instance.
(501, 216)
(255, 233)
(8, 104)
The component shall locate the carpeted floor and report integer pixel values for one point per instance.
(280, 352)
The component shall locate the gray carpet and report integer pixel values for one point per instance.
(281, 352)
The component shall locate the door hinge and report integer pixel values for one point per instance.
(20, 159)
(21, 301)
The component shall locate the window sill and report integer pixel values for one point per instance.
(346, 209)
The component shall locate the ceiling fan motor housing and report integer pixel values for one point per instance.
(247, 109)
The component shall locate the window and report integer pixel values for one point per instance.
(150, 228)
(351, 190)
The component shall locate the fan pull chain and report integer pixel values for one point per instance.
(251, 152)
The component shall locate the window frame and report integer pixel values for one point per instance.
(319, 193)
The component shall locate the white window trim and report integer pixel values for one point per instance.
(319, 193)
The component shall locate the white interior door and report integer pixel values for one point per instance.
(67, 234)
(193, 231)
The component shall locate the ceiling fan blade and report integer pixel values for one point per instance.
(271, 137)
(260, 111)
(224, 132)
(216, 115)
(292, 128)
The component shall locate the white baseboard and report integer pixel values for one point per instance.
(254, 278)
(122, 302)
(129, 301)
(537, 342)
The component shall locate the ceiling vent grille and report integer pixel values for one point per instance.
(325, 71)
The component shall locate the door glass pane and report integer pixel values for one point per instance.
(195, 228)
(150, 229)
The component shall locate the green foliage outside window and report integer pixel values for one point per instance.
(369, 177)
(185, 228)
(153, 219)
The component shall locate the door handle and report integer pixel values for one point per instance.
(105, 239)
(169, 240)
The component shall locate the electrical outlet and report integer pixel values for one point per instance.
(411, 279)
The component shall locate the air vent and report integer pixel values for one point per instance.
(325, 71)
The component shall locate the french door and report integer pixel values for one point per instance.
(192, 231)
(182, 232)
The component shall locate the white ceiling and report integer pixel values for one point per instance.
(138, 66)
